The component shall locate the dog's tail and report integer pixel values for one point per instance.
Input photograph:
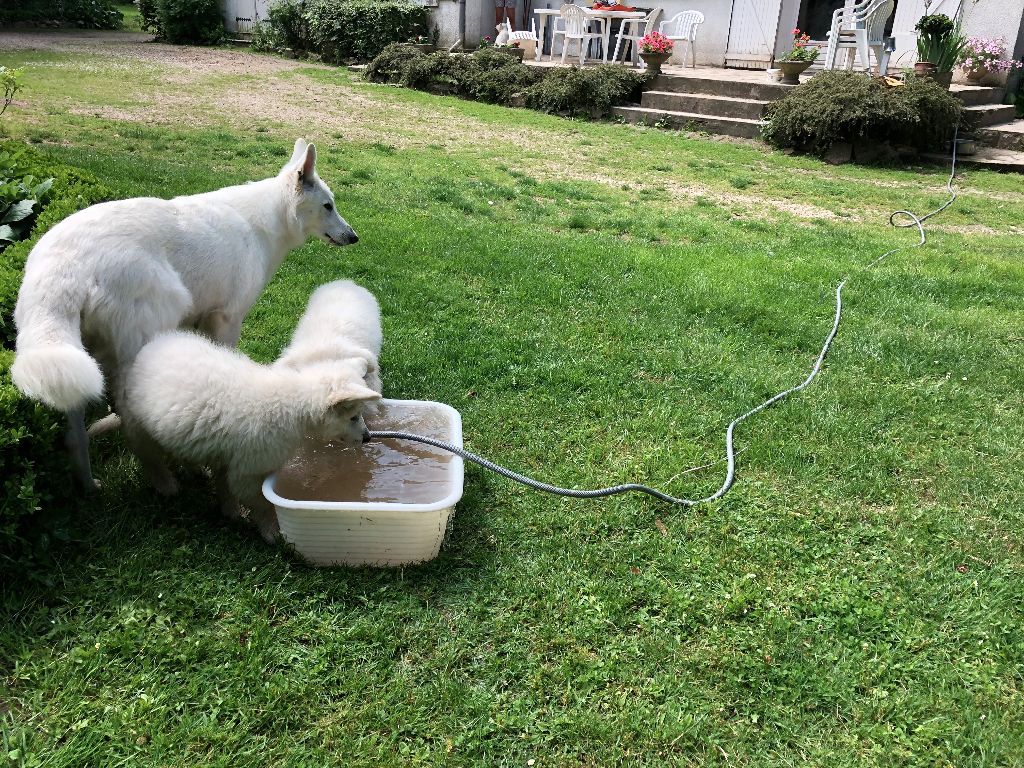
(109, 423)
(50, 363)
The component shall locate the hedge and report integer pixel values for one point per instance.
(33, 462)
(495, 76)
(341, 30)
(91, 14)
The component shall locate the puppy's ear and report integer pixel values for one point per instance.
(350, 394)
(308, 168)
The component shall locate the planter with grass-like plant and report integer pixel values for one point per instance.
(797, 59)
(940, 45)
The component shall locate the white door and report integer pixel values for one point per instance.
(752, 33)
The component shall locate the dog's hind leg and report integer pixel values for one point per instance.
(152, 459)
(77, 442)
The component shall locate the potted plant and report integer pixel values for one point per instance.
(797, 59)
(939, 46)
(423, 43)
(655, 50)
(515, 49)
(983, 56)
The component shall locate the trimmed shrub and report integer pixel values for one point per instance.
(89, 14)
(36, 494)
(586, 92)
(496, 76)
(836, 107)
(392, 63)
(343, 30)
(189, 21)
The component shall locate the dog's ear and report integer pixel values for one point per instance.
(298, 153)
(308, 168)
(351, 393)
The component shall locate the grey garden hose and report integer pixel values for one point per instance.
(730, 475)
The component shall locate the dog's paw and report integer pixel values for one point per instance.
(164, 481)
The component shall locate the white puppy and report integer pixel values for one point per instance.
(205, 404)
(107, 280)
(342, 320)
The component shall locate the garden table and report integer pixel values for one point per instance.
(604, 18)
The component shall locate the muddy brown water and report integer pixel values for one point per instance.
(394, 471)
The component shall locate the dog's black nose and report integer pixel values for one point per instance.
(366, 435)
(354, 239)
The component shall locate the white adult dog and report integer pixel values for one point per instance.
(106, 280)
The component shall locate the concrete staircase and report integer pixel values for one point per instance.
(736, 108)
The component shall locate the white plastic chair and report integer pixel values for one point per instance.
(576, 28)
(682, 28)
(527, 41)
(634, 29)
(858, 29)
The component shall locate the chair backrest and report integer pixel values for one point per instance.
(683, 25)
(575, 20)
(649, 23)
(875, 17)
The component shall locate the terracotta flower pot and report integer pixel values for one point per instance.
(924, 68)
(517, 52)
(791, 71)
(654, 61)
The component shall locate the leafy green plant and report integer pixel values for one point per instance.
(10, 83)
(289, 26)
(150, 14)
(189, 21)
(837, 106)
(19, 203)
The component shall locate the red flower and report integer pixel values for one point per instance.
(796, 31)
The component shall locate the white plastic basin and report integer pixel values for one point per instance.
(350, 531)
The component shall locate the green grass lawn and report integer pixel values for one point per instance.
(598, 301)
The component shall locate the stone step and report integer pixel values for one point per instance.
(703, 104)
(714, 86)
(728, 126)
(1008, 135)
(991, 114)
(972, 95)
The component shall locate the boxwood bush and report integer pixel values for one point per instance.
(33, 463)
(848, 107)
